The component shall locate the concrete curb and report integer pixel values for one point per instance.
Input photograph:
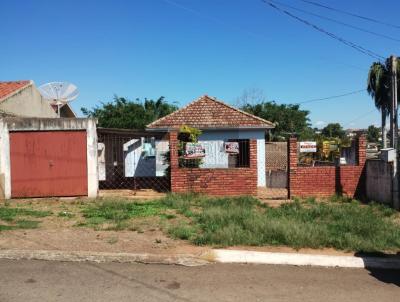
(217, 255)
(236, 256)
(179, 259)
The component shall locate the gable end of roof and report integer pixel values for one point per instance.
(209, 113)
(8, 89)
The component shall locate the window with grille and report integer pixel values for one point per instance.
(242, 159)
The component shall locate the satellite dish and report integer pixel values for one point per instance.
(59, 93)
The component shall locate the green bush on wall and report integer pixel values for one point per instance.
(188, 134)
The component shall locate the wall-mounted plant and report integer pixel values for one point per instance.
(186, 135)
(189, 134)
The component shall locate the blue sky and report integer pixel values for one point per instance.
(182, 49)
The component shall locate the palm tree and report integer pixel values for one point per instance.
(378, 87)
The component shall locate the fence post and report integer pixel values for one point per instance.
(5, 164)
(292, 162)
(174, 163)
(361, 150)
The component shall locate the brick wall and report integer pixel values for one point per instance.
(233, 181)
(326, 181)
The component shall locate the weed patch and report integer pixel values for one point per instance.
(117, 212)
(15, 218)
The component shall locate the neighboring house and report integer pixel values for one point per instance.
(352, 133)
(221, 124)
(22, 99)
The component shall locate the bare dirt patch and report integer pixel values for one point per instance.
(61, 231)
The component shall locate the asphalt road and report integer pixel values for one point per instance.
(71, 281)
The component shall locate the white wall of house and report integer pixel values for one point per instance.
(213, 141)
(28, 103)
(137, 164)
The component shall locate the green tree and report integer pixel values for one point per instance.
(125, 114)
(333, 130)
(373, 134)
(288, 118)
(379, 88)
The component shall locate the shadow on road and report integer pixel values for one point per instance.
(388, 275)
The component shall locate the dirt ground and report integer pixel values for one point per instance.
(64, 233)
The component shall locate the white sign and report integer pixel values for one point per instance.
(308, 147)
(194, 150)
(232, 147)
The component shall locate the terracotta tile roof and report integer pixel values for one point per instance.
(207, 112)
(9, 88)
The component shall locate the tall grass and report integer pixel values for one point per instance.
(338, 223)
(346, 225)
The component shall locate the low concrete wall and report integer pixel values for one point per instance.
(2, 193)
(379, 181)
(5, 160)
(47, 124)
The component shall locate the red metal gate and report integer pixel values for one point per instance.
(48, 163)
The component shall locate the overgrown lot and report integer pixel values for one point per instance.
(338, 223)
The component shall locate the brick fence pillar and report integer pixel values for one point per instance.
(174, 163)
(361, 150)
(292, 162)
(253, 154)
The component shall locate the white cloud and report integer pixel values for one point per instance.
(319, 123)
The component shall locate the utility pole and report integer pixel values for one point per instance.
(393, 115)
(394, 133)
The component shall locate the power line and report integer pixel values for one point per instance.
(350, 14)
(214, 19)
(333, 36)
(359, 117)
(332, 97)
(338, 22)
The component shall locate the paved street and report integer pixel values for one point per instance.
(68, 281)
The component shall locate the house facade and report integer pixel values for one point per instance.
(22, 99)
(222, 171)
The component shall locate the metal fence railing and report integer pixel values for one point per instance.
(276, 165)
(327, 153)
(132, 160)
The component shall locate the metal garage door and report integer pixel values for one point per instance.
(48, 163)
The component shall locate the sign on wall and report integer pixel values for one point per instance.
(194, 150)
(232, 147)
(308, 147)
